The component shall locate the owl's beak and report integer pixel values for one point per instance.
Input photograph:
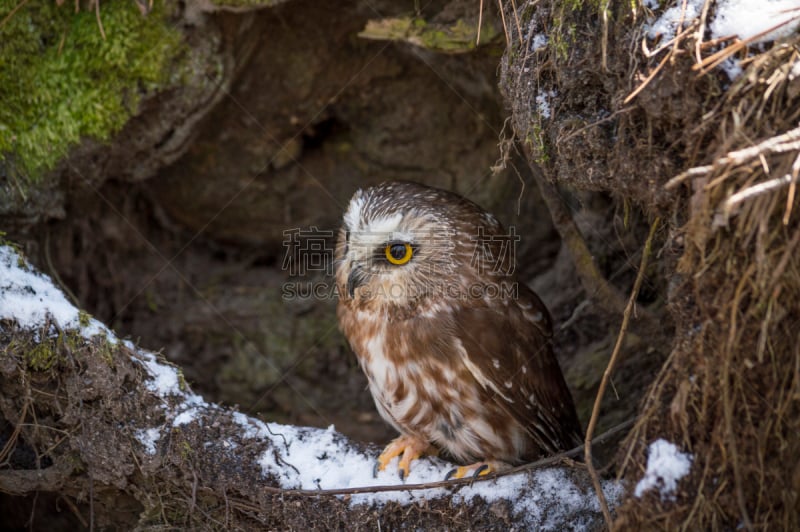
(355, 279)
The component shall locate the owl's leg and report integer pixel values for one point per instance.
(477, 470)
(410, 447)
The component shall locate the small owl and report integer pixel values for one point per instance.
(456, 350)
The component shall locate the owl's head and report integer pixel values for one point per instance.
(402, 243)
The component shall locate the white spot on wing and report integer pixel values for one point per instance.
(477, 373)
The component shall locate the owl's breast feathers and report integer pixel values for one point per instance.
(476, 377)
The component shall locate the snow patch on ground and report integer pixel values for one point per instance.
(666, 465)
(29, 298)
(748, 18)
(543, 100)
(300, 457)
(538, 41)
(317, 459)
(148, 438)
(673, 17)
(740, 18)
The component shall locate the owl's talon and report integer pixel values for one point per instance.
(482, 470)
(408, 448)
(475, 470)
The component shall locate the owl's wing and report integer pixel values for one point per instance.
(508, 349)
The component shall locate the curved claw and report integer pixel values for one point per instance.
(475, 470)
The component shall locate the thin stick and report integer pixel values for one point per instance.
(604, 40)
(480, 22)
(757, 190)
(593, 282)
(516, 18)
(790, 197)
(99, 22)
(647, 81)
(503, 18)
(11, 13)
(626, 316)
(782, 143)
(698, 41)
(716, 59)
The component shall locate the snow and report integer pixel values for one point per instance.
(29, 298)
(666, 465)
(543, 102)
(186, 417)
(667, 24)
(732, 67)
(748, 18)
(795, 72)
(307, 458)
(740, 18)
(538, 41)
(300, 457)
(148, 438)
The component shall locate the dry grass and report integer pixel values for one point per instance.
(719, 161)
(729, 392)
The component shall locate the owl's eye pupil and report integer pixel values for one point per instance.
(398, 252)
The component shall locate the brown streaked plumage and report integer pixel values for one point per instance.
(457, 352)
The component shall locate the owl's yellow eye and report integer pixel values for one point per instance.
(398, 252)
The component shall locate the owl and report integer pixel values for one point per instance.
(457, 352)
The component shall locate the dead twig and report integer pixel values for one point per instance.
(778, 144)
(647, 80)
(593, 282)
(626, 316)
(714, 60)
(13, 12)
(505, 27)
(762, 188)
(480, 23)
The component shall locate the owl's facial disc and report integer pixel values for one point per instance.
(394, 248)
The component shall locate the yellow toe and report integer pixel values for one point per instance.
(408, 447)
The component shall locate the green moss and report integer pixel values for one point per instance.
(106, 350)
(535, 143)
(22, 262)
(575, 5)
(186, 449)
(63, 81)
(84, 318)
(43, 356)
(562, 36)
(247, 3)
(457, 38)
(182, 380)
